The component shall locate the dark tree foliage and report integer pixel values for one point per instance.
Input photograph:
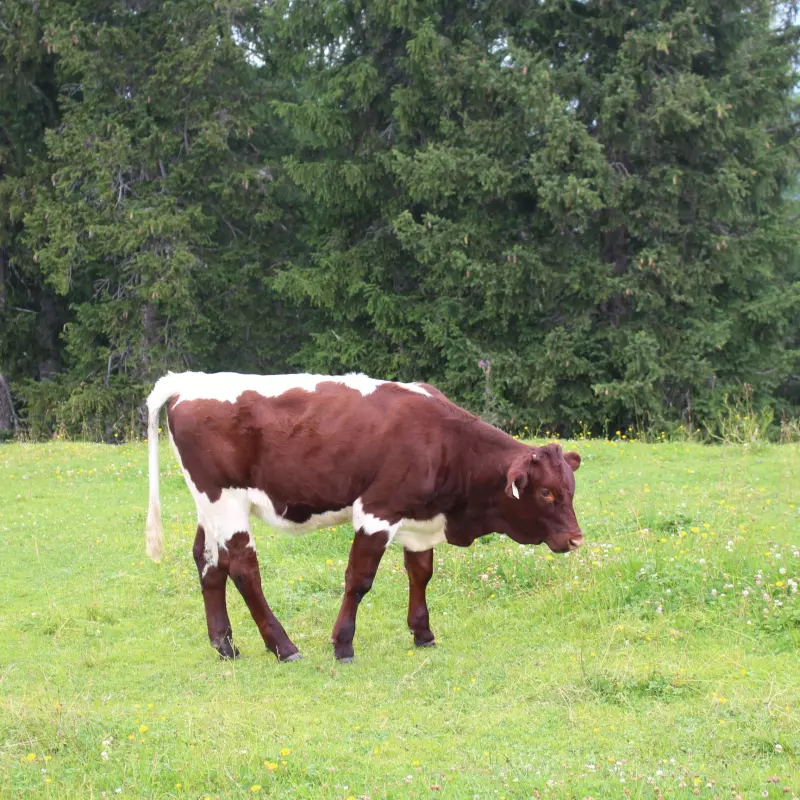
(161, 211)
(31, 313)
(577, 204)
(565, 214)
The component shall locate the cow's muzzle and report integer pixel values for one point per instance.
(575, 541)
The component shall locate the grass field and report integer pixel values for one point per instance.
(663, 659)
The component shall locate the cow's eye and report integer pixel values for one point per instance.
(547, 494)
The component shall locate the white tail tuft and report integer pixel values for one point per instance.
(162, 391)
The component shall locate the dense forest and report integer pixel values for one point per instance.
(569, 215)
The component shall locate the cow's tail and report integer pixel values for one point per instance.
(162, 391)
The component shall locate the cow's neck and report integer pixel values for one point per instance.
(482, 458)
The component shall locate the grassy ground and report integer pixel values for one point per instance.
(663, 659)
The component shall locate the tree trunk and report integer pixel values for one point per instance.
(3, 263)
(8, 419)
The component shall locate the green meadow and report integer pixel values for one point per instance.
(660, 660)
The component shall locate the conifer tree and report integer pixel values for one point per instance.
(31, 313)
(587, 197)
(564, 214)
(160, 208)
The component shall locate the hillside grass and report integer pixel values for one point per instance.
(663, 659)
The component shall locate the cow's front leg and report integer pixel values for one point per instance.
(419, 567)
(212, 584)
(365, 556)
(244, 572)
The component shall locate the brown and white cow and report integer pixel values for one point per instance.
(303, 451)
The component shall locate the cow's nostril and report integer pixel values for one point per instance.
(575, 543)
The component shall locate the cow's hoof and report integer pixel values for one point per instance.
(423, 638)
(227, 651)
(343, 653)
(293, 657)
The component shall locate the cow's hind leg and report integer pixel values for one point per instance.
(212, 583)
(419, 567)
(246, 575)
(365, 556)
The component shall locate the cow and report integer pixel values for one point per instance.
(399, 460)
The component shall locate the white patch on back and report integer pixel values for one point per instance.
(227, 387)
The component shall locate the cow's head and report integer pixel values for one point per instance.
(537, 505)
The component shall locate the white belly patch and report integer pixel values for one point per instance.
(413, 534)
(261, 505)
(419, 535)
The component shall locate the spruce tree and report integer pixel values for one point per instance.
(575, 206)
(161, 212)
(31, 313)
(563, 214)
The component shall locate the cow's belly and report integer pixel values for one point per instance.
(413, 534)
(419, 535)
(264, 509)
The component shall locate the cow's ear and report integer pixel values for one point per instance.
(573, 459)
(520, 474)
(516, 481)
